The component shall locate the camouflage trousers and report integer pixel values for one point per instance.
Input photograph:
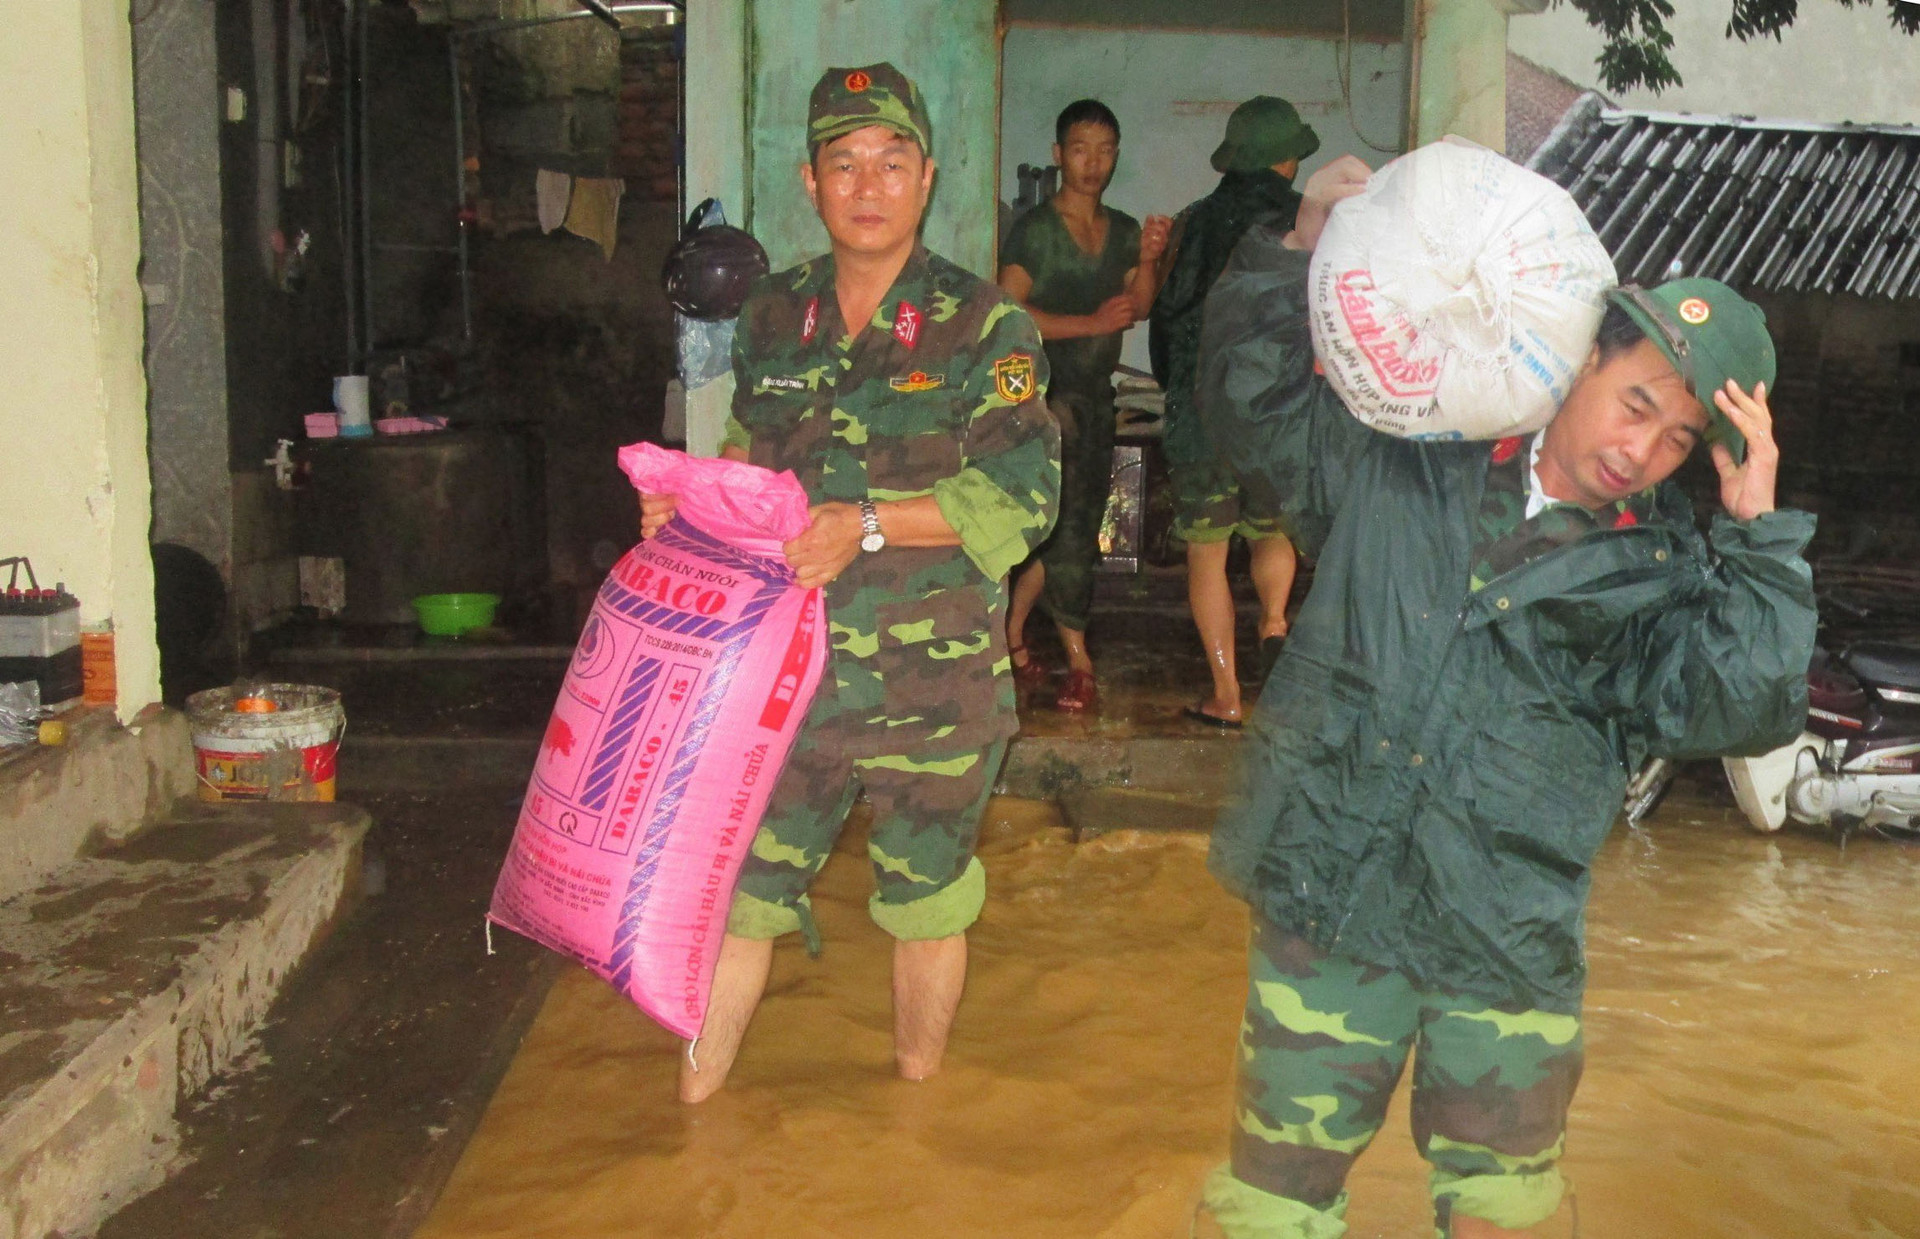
(1322, 1045)
(926, 819)
(1209, 505)
(1072, 552)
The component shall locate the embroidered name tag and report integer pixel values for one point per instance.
(782, 383)
(919, 380)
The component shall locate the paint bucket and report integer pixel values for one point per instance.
(266, 741)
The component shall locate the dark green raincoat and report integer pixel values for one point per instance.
(1432, 767)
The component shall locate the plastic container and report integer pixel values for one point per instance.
(449, 615)
(99, 686)
(288, 753)
(40, 636)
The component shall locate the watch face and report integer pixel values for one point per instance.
(872, 542)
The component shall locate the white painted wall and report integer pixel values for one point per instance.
(1172, 91)
(73, 425)
(1834, 64)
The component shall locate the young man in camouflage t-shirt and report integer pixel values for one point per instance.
(906, 396)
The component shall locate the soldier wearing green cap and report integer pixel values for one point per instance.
(1257, 160)
(906, 396)
(1496, 635)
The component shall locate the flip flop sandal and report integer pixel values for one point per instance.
(1212, 720)
(1029, 674)
(1078, 694)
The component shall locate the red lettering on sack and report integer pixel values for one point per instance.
(671, 591)
(1401, 376)
(793, 668)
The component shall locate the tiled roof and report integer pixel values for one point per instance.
(1771, 206)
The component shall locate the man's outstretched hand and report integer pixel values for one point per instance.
(1747, 488)
(1343, 178)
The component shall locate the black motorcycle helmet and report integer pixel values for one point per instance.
(708, 273)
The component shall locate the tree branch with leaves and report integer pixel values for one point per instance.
(1635, 56)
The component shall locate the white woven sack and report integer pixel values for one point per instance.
(1457, 296)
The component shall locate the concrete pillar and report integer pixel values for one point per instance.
(717, 163)
(73, 423)
(177, 92)
(1460, 68)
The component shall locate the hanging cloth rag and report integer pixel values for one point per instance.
(594, 210)
(552, 192)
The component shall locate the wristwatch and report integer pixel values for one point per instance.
(871, 539)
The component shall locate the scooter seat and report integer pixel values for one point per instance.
(1883, 663)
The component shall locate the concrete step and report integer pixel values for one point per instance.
(1094, 811)
(130, 978)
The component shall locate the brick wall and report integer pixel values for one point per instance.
(647, 152)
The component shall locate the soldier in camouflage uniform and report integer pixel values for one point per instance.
(1257, 159)
(906, 397)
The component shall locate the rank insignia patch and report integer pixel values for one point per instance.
(906, 324)
(919, 380)
(1013, 377)
(811, 322)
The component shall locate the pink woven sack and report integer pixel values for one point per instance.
(685, 692)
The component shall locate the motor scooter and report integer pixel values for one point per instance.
(1857, 764)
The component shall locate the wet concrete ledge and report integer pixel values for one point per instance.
(1038, 767)
(102, 785)
(128, 979)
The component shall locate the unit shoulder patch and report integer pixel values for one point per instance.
(1013, 377)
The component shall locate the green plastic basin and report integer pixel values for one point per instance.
(449, 615)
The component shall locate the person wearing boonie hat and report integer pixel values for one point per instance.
(907, 396)
(1257, 159)
(1496, 635)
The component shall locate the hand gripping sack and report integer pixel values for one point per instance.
(691, 677)
(1457, 296)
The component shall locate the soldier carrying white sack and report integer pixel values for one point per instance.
(1496, 634)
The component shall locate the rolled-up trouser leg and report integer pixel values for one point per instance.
(1491, 1091)
(926, 820)
(1072, 552)
(804, 815)
(1322, 1044)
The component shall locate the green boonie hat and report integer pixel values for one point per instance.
(1711, 334)
(1262, 132)
(848, 99)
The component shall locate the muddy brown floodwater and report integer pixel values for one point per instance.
(1753, 1065)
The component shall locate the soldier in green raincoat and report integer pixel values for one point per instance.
(907, 397)
(1257, 159)
(1496, 635)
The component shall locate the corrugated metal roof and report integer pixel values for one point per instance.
(1767, 206)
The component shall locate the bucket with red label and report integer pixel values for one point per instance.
(266, 741)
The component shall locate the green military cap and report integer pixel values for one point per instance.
(848, 99)
(1711, 334)
(1262, 132)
